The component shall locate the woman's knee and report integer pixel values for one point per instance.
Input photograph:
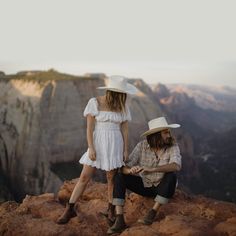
(110, 175)
(84, 178)
(86, 174)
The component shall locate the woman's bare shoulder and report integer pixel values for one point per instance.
(101, 100)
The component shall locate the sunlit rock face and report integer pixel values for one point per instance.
(42, 124)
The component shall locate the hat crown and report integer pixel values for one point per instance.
(158, 122)
(117, 81)
(157, 125)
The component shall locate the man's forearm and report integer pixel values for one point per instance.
(167, 168)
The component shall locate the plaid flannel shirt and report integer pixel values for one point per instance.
(143, 156)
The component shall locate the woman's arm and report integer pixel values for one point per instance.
(124, 131)
(90, 129)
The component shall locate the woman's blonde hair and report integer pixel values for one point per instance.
(116, 101)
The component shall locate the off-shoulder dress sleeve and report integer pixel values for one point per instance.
(91, 108)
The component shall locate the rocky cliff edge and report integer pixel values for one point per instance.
(184, 215)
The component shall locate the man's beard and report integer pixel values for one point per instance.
(168, 141)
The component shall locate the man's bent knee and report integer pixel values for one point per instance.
(118, 177)
(170, 177)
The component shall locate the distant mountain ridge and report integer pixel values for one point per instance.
(219, 98)
(208, 117)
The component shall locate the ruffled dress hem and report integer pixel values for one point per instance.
(101, 168)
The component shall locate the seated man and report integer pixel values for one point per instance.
(150, 171)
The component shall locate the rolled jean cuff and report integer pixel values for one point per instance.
(118, 202)
(161, 200)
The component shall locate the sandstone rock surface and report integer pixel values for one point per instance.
(185, 215)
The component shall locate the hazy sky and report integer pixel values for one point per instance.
(185, 41)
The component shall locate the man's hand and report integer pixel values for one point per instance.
(135, 170)
(92, 154)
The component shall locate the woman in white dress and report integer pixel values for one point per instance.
(107, 137)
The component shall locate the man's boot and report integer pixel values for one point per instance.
(68, 213)
(148, 218)
(118, 226)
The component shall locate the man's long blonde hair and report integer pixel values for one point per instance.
(116, 101)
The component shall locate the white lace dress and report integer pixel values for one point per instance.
(107, 137)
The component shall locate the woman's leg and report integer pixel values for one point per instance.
(78, 190)
(110, 183)
(80, 186)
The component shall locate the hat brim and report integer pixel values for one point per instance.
(130, 89)
(152, 131)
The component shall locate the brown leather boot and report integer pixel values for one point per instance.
(148, 218)
(110, 214)
(118, 226)
(68, 213)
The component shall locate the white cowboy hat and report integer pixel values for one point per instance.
(157, 125)
(119, 84)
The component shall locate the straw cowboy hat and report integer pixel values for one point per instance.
(157, 125)
(119, 84)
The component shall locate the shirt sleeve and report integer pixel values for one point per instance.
(91, 108)
(134, 156)
(127, 114)
(175, 156)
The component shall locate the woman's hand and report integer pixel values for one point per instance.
(126, 156)
(92, 154)
(135, 170)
